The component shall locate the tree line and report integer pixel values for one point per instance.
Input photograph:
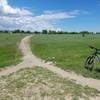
(47, 32)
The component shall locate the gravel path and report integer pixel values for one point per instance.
(30, 60)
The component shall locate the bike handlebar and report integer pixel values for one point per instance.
(94, 48)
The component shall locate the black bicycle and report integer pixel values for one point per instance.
(89, 63)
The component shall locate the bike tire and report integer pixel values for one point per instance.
(89, 63)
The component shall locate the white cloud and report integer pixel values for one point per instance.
(55, 16)
(24, 23)
(34, 23)
(5, 8)
(10, 19)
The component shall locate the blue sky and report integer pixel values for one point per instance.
(67, 15)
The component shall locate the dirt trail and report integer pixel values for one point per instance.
(30, 60)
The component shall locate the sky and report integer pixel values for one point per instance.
(59, 15)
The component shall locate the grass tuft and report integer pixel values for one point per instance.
(40, 84)
(69, 51)
(9, 52)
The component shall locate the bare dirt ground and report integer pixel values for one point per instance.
(30, 60)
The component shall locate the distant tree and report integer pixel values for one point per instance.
(0, 31)
(83, 33)
(60, 32)
(36, 32)
(66, 32)
(16, 31)
(73, 32)
(50, 32)
(22, 31)
(97, 32)
(6, 31)
(29, 32)
(44, 32)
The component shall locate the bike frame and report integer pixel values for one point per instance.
(90, 60)
(95, 54)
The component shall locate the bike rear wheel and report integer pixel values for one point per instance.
(89, 63)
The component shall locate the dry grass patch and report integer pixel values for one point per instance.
(40, 84)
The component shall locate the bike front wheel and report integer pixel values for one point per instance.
(89, 63)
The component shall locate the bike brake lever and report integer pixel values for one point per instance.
(98, 58)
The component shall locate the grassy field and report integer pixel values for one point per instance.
(40, 84)
(67, 51)
(9, 52)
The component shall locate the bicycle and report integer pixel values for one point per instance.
(89, 63)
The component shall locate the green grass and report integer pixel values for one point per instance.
(70, 51)
(9, 52)
(38, 84)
